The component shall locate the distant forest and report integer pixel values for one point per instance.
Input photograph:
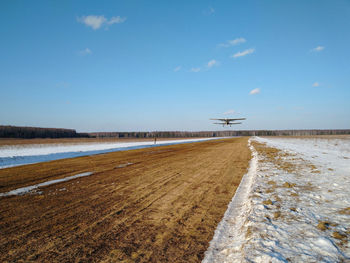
(183, 134)
(35, 132)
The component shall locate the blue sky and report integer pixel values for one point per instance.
(172, 65)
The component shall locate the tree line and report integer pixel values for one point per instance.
(183, 134)
(36, 132)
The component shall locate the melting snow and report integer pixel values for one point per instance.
(123, 165)
(229, 237)
(290, 215)
(15, 155)
(27, 189)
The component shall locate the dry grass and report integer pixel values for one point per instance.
(345, 211)
(323, 225)
(267, 202)
(288, 185)
(163, 208)
(338, 235)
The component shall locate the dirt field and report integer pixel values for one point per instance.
(162, 208)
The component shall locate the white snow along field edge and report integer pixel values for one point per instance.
(229, 236)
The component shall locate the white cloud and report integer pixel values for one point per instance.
(116, 20)
(177, 68)
(229, 112)
(317, 49)
(244, 53)
(254, 91)
(212, 63)
(96, 22)
(84, 52)
(195, 69)
(233, 42)
(316, 84)
(237, 41)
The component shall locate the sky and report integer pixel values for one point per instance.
(173, 65)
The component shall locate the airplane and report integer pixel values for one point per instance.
(228, 121)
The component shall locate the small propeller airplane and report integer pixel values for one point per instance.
(228, 121)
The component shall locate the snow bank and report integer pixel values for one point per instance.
(229, 237)
(25, 154)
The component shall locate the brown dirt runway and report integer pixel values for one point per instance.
(162, 208)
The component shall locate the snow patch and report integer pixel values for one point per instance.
(123, 165)
(27, 189)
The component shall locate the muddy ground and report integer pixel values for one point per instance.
(162, 208)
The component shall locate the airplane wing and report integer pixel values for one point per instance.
(218, 119)
(224, 123)
(235, 119)
(228, 119)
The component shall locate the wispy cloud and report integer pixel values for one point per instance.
(177, 68)
(243, 53)
(229, 112)
(195, 69)
(254, 91)
(96, 22)
(317, 49)
(116, 20)
(207, 66)
(316, 84)
(212, 63)
(233, 42)
(84, 52)
(209, 11)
